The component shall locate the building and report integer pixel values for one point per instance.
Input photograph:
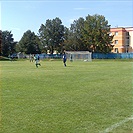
(123, 39)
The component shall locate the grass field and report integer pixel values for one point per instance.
(84, 97)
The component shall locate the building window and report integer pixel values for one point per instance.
(127, 34)
(116, 50)
(116, 41)
(127, 42)
(127, 37)
(116, 33)
(110, 34)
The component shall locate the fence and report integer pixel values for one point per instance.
(50, 56)
(93, 56)
(112, 56)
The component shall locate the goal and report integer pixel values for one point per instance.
(79, 55)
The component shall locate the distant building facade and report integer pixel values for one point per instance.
(123, 39)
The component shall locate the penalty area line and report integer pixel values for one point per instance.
(112, 127)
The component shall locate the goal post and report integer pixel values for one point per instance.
(79, 55)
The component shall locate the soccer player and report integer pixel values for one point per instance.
(31, 58)
(37, 61)
(64, 59)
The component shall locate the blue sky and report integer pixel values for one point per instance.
(20, 16)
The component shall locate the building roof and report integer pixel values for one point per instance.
(122, 29)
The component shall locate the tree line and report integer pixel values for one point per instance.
(91, 33)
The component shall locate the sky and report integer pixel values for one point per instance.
(18, 16)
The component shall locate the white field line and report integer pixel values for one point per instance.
(109, 129)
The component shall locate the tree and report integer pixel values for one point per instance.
(91, 33)
(0, 42)
(63, 44)
(75, 36)
(29, 43)
(52, 34)
(8, 44)
(96, 34)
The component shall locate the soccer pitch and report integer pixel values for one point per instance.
(84, 97)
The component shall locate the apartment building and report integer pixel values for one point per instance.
(123, 39)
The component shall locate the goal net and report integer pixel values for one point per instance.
(79, 55)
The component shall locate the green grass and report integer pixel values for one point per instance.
(84, 97)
